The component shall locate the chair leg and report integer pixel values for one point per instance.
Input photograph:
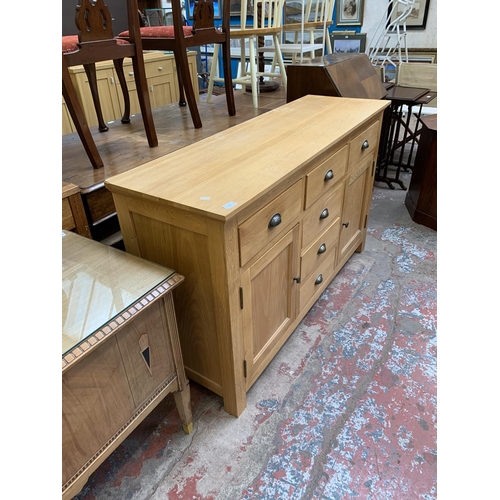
(144, 102)
(213, 70)
(181, 61)
(118, 63)
(281, 64)
(253, 72)
(91, 75)
(228, 79)
(182, 97)
(78, 117)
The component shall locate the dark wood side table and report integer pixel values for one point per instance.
(398, 131)
(121, 353)
(421, 198)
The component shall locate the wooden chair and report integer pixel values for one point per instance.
(308, 27)
(261, 20)
(179, 38)
(94, 43)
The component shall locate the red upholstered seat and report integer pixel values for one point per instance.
(159, 32)
(70, 43)
(94, 43)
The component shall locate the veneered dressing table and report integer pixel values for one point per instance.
(120, 352)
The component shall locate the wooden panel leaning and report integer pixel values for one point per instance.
(230, 213)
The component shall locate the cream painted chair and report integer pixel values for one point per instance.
(305, 28)
(264, 19)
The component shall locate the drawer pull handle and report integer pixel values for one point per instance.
(297, 279)
(324, 214)
(322, 248)
(275, 220)
(365, 145)
(131, 73)
(329, 175)
(160, 68)
(345, 224)
(319, 280)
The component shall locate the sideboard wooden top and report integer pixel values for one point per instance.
(224, 173)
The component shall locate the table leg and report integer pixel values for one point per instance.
(183, 403)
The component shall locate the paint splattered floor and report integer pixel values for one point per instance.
(347, 409)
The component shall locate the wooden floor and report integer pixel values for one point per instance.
(124, 146)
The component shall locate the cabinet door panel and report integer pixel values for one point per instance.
(67, 121)
(270, 297)
(107, 87)
(162, 90)
(353, 215)
(132, 92)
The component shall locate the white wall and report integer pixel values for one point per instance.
(372, 14)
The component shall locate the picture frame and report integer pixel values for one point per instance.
(235, 7)
(417, 20)
(349, 12)
(348, 44)
(217, 9)
(293, 11)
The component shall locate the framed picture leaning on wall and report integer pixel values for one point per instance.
(417, 19)
(348, 44)
(349, 12)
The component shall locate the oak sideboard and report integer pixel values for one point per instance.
(259, 218)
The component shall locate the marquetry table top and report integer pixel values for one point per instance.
(102, 288)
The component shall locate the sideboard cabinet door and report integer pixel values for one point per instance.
(356, 207)
(269, 300)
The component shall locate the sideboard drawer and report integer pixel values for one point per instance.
(364, 144)
(321, 276)
(262, 227)
(158, 68)
(320, 250)
(322, 214)
(325, 176)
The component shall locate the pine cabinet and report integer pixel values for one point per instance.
(161, 76)
(259, 219)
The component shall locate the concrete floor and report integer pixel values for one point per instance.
(347, 409)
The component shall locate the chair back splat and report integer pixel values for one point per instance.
(94, 43)
(178, 38)
(93, 21)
